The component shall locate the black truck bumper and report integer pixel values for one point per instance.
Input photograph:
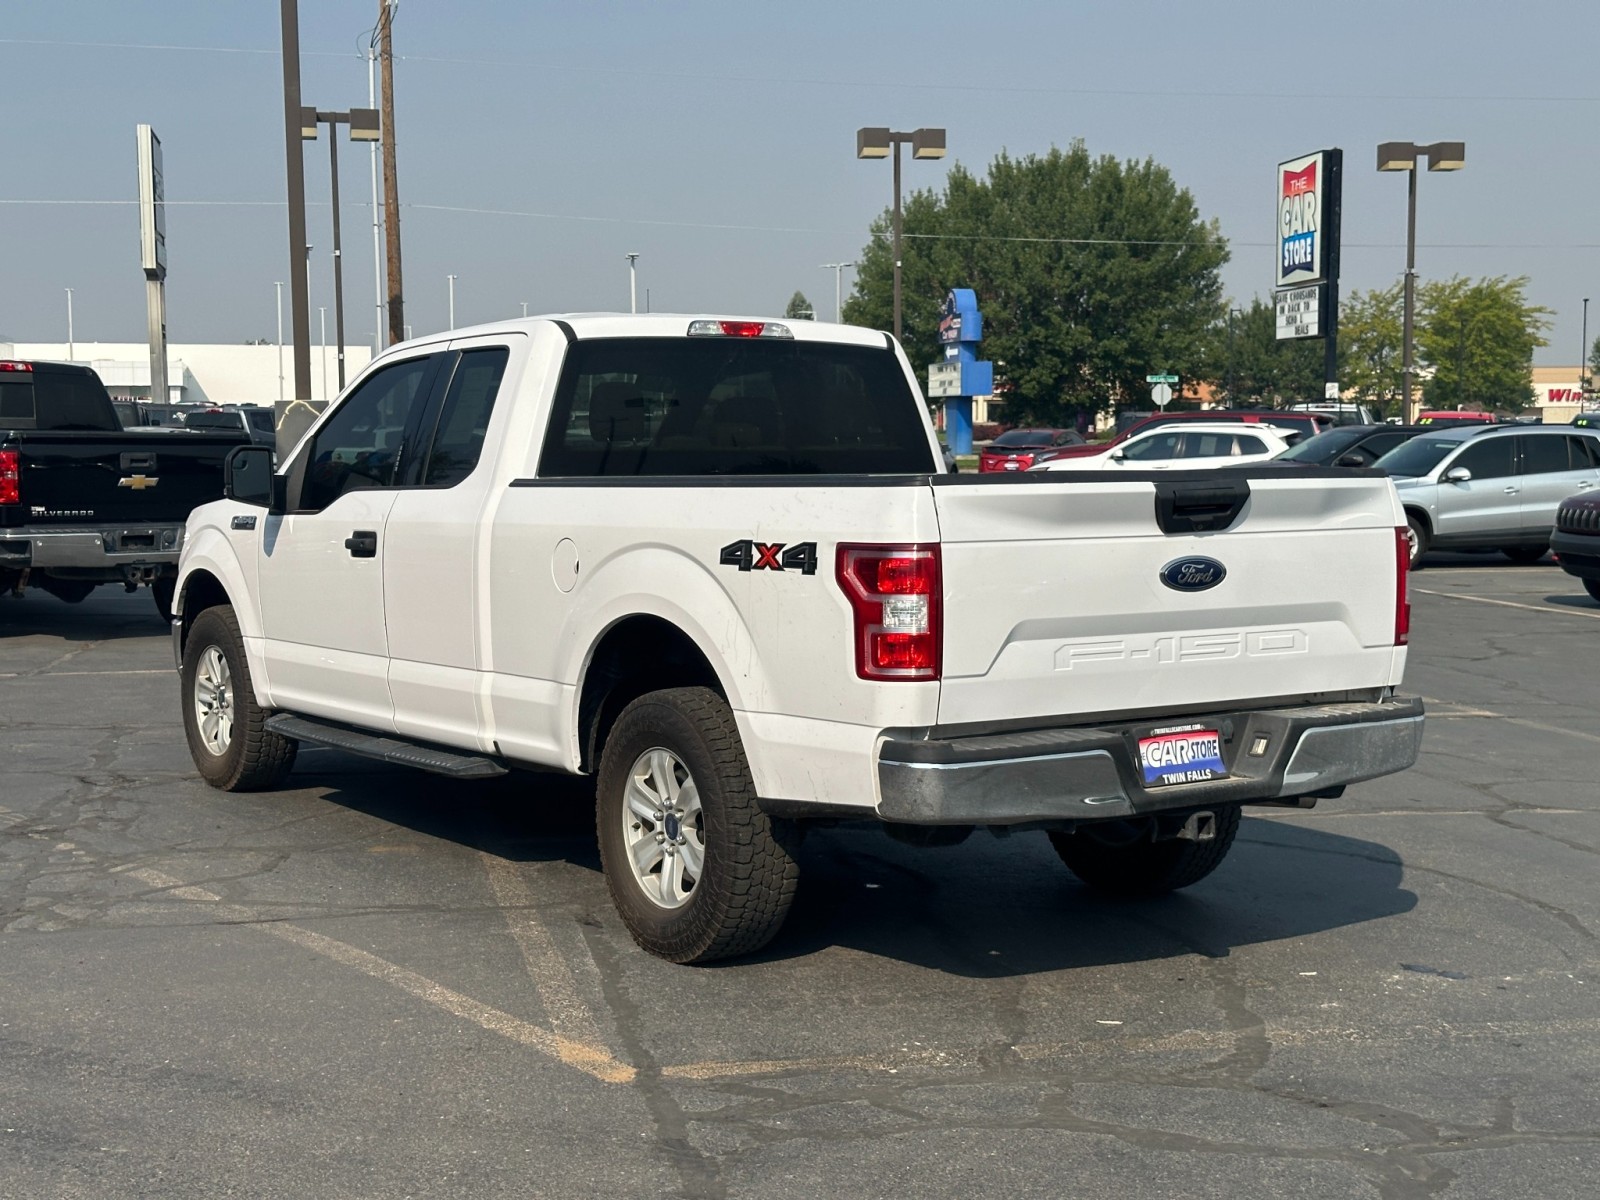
(1076, 774)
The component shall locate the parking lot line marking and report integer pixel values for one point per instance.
(583, 1057)
(1542, 727)
(552, 978)
(1541, 608)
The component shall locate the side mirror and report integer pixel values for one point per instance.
(1119, 454)
(248, 477)
(1457, 475)
(1350, 460)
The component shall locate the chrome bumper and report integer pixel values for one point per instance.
(1092, 774)
(108, 548)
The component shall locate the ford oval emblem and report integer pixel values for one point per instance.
(1193, 574)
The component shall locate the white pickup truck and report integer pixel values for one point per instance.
(717, 564)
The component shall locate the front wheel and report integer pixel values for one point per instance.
(1416, 538)
(1119, 857)
(696, 869)
(225, 727)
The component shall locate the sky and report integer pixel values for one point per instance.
(540, 142)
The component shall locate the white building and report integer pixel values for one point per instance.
(199, 373)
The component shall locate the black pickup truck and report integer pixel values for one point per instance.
(84, 501)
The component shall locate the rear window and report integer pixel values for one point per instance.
(1013, 438)
(42, 399)
(214, 420)
(1325, 447)
(16, 397)
(723, 406)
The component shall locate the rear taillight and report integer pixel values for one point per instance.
(894, 593)
(10, 478)
(1402, 597)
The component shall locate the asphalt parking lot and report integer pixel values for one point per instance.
(377, 983)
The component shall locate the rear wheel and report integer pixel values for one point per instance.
(1119, 857)
(1592, 586)
(1526, 554)
(695, 867)
(225, 727)
(1416, 538)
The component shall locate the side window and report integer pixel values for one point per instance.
(1249, 444)
(1153, 449)
(1544, 455)
(360, 445)
(1584, 453)
(464, 418)
(1486, 458)
(1375, 448)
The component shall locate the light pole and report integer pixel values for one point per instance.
(452, 280)
(838, 287)
(524, 309)
(322, 313)
(69, 323)
(880, 142)
(278, 285)
(363, 123)
(1232, 312)
(633, 280)
(1402, 156)
(1583, 352)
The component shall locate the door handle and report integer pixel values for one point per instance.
(363, 543)
(1511, 491)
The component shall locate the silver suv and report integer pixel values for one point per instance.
(1495, 486)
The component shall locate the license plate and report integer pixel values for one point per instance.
(1187, 755)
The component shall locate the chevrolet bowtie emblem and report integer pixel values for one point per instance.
(138, 482)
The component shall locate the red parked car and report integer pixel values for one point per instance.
(1307, 424)
(1019, 449)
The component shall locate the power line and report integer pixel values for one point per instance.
(868, 84)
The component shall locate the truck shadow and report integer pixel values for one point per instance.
(989, 908)
(109, 614)
(1001, 907)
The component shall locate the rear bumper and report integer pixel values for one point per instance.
(1579, 553)
(1092, 774)
(90, 552)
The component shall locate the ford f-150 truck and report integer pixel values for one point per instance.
(84, 501)
(715, 564)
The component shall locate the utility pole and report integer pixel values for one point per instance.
(299, 298)
(391, 187)
(377, 225)
(69, 323)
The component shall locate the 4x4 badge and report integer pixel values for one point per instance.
(775, 556)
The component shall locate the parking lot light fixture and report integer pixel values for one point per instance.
(879, 141)
(363, 125)
(1403, 156)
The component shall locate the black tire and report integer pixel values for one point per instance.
(1525, 555)
(1100, 857)
(1419, 538)
(161, 591)
(747, 876)
(1592, 586)
(251, 759)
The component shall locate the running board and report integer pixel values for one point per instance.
(388, 749)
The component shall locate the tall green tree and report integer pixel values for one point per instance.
(1250, 366)
(1371, 328)
(1479, 336)
(1090, 272)
(799, 308)
(1594, 362)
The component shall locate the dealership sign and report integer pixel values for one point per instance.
(1308, 193)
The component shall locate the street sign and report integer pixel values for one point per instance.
(1161, 393)
(944, 379)
(1161, 379)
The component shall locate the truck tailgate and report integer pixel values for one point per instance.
(133, 477)
(1055, 605)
